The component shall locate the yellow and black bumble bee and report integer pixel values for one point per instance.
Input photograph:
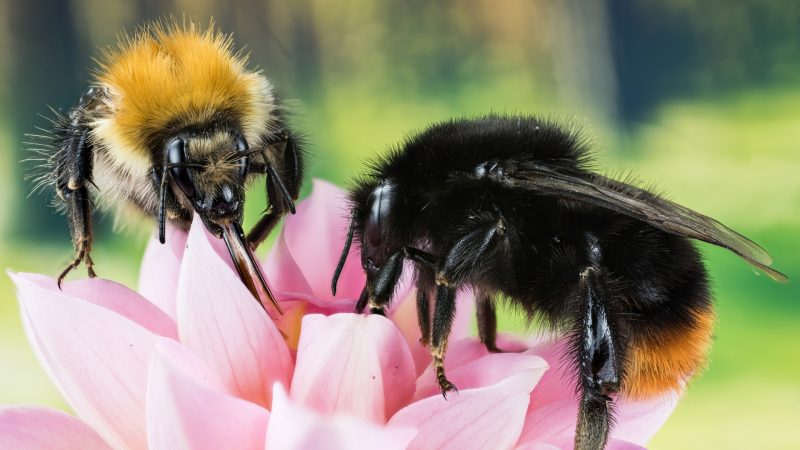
(174, 124)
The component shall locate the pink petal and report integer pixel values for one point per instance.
(97, 358)
(557, 384)
(35, 428)
(354, 364)
(161, 264)
(293, 427)
(554, 405)
(639, 420)
(463, 352)
(220, 320)
(485, 371)
(283, 271)
(553, 421)
(489, 417)
(112, 296)
(568, 444)
(188, 408)
(536, 446)
(314, 238)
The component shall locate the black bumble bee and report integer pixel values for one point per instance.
(174, 124)
(508, 206)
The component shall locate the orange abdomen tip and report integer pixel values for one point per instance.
(664, 360)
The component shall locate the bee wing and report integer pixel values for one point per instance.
(645, 206)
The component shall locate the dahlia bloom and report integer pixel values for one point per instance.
(192, 361)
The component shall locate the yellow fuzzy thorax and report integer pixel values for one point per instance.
(169, 76)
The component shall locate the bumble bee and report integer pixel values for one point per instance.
(174, 124)
(509, 207)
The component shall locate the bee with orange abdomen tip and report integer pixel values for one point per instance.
(175, 123)
(511, 207)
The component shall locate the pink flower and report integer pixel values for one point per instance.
(192, 361)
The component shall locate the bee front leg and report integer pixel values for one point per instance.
(384, 283)
(283, 188)
(73, 174)
(598, 362)
(80, 224)
(362, 301)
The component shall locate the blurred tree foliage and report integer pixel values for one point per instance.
(683, 48)
(362, 68)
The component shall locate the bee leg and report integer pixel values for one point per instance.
(598, 363)
(423, 259)
(263, 227)
(282, 190)
(290, 178)
(424, 316)
(384, 283)
(276, 210)
(444, 312)
(487, 323)
(362, 301)
(73, 174)
(79, 219)
(427, 265)
(465, 254)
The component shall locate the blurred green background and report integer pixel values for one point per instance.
(700, 97)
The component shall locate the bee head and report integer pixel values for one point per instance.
(209, 169)
(376, 245)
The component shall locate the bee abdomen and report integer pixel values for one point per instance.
(664, 358)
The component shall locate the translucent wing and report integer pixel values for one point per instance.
(642, 205)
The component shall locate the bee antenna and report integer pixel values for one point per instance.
(162, 206)
(345, 252)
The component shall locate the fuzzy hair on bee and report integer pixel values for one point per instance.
(174, 124)
(511, 207)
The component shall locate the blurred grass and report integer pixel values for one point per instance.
(733, 158)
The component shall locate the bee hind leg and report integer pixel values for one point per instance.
(598, 363)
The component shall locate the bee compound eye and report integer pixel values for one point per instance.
(176, 155)
(241, 144)
(380, 202)
(244, 161)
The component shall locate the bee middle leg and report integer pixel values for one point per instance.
(465, 256)
(424, 316)
(487, 323)
(427, 264)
